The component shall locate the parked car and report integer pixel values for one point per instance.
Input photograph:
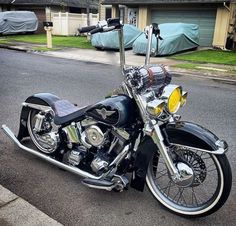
(110, 40)
(14, 22)
(177, 37)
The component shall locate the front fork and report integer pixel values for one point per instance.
(152, 129)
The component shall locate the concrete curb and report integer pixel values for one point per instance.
(13, 48)
(220, 79)
(15, 211)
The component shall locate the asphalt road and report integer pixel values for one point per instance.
(59, 193)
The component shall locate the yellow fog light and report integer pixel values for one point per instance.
(172, 94)
(184, 98)
(155, 107)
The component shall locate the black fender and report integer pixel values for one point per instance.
(193, 135)
(46, 99)
(183, 133)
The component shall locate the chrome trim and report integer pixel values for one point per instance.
(120, 157)
(83, 140)
(152, 105)
(37, 106)
(71, 133)
(167, 93)
(71, 169)
(148, 31)
(219, 151)
(100, 187)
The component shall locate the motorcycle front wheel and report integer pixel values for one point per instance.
(207, 192)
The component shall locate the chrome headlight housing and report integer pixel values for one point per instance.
(172, 95)
(184, 98)
(155, 107)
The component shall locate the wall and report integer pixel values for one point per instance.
(68, 23)
(221, 27)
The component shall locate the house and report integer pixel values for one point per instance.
(216, 19)
(44, 9)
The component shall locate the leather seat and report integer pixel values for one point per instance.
(66, 112)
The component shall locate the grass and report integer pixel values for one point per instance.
(209, 56)
(58, 41)
(3, 41)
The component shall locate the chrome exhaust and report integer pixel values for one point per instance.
(71, 169)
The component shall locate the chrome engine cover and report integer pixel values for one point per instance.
(95, 136)
(51, 140)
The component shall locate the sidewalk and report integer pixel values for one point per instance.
(210, 71)
(15, 211)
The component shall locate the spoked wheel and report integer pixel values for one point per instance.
(45, 140)
(202, 194)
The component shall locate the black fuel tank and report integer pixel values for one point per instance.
(116, 110)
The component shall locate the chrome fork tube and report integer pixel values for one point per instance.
(122, 48)
(152, 129)
(149, 46)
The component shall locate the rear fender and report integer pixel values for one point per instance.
(45, 99)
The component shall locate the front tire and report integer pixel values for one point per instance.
(193, 208)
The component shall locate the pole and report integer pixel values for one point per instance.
(149, 46)
(122, 48)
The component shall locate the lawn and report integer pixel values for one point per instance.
(59, 41)
(209, 56)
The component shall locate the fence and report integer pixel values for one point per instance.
(68, 23)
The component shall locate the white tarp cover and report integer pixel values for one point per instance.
(12, 22)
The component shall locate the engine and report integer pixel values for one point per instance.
(98, 145)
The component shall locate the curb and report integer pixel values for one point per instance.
(16, 211)
(220, 79)
(13, 48)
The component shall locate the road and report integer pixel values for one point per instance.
(59, 193)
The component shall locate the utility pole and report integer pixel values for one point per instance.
(87, 11)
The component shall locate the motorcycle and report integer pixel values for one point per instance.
(132, 138)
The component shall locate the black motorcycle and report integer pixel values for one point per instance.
(131, 138)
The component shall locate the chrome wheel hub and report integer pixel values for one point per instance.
(186, 175)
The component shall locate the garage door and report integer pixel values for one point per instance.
(204, 18)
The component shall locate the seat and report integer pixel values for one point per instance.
(66, 112)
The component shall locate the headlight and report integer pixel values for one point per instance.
(184, 98)
(172, 94)
(155, 107)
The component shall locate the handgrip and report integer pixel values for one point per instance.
(86, 29)
(96, 30)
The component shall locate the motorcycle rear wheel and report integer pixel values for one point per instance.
(196, 207)
(35, 137)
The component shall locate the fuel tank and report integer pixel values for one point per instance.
(117, 111)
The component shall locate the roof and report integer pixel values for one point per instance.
(71, 3)
(145, 2)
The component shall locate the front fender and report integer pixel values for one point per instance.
(193, 135)
(46, 99)
(182, 133)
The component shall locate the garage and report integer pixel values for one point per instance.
(204, 18)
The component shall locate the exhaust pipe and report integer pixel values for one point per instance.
(71, 169)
